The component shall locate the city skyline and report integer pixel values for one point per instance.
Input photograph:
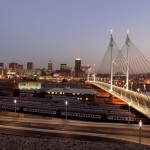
(30, 65)
(60, 31)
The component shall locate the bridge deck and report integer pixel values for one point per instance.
(138, 101)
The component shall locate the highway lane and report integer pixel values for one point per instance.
(74, 129)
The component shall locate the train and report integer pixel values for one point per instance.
(81, 115)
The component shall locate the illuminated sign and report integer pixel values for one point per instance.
(29, 85)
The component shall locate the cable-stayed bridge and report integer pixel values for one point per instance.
(125, 73)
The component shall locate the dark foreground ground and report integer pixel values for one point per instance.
(14, 142)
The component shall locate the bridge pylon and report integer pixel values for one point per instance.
(111, 62)
(127, 61)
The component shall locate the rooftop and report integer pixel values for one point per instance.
(73, 90)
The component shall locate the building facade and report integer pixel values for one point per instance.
(13, 66)
(88, 95)
(29, 65)
(63, 66)
(77, 66)
(50, 66)
(1, 65)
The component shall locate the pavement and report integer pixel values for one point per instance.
(84, 124)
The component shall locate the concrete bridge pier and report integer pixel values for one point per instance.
(111, 98)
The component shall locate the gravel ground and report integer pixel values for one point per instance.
(9, 142)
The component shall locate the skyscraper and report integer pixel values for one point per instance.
(77, 65)
(63, 66)
(29, 65)
(1, 65)
(50, 66)
(13, 66)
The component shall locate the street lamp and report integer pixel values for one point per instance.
(131, 86)
(140, 126)
(15, 101)
(138, 90)
(66, 103)
(129, 113)
(145, 89)
(123, 84)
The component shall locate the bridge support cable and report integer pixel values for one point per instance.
(128, 69)
(139, 66)
(94, 74)
(107, 64)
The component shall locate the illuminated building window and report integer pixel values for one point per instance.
(78, 93)
(60, 92)
(55, 92)
(87, 99)
(80, 98)
(52, 92)
(73, 93)
(48, 92)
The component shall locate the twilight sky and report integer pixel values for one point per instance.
(62, 30)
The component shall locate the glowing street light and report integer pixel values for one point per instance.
(66, 103)
(131, 86)
(123, 84)
(15, 102)
(140, 126)
(145, 88)
(138, 90)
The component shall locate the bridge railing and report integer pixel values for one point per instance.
(137, 100)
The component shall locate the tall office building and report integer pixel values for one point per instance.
(50, 66)
(29, 65)
(1, 69)
(63, 66)
(77, 65)
(13, 66)
(1, 65)
(20, 67)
